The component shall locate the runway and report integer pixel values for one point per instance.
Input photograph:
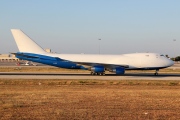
(85, 76)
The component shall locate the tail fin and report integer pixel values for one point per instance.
(24, 43)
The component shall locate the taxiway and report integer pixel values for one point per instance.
(85, 76)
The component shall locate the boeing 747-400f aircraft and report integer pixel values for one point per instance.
(96, 63)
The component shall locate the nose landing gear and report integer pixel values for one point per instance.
(156, 73)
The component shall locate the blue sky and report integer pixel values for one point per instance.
(74, 26)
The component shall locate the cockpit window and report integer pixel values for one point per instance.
(161, 55)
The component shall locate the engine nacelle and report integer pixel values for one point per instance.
(119, 70)
(97, 69)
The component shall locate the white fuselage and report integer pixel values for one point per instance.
(133, 60)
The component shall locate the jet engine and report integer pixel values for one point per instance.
(118, 70)
(97, 69)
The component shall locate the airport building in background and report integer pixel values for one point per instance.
(8, 57)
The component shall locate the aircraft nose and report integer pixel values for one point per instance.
(170, 62)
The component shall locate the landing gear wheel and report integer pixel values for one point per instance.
(103, 73)
(93, 73)
(156, 73)
(97, 73)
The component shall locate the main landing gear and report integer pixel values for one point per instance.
(156, 73)
(97, 73)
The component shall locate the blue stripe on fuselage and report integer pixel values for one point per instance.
(53, 61)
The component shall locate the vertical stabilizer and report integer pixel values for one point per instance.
(24, 43)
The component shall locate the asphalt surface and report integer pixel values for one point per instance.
(68, 75)
(85, 76)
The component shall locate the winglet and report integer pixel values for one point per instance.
(25, 43)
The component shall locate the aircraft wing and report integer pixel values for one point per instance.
(101, 64)
(85, 64)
